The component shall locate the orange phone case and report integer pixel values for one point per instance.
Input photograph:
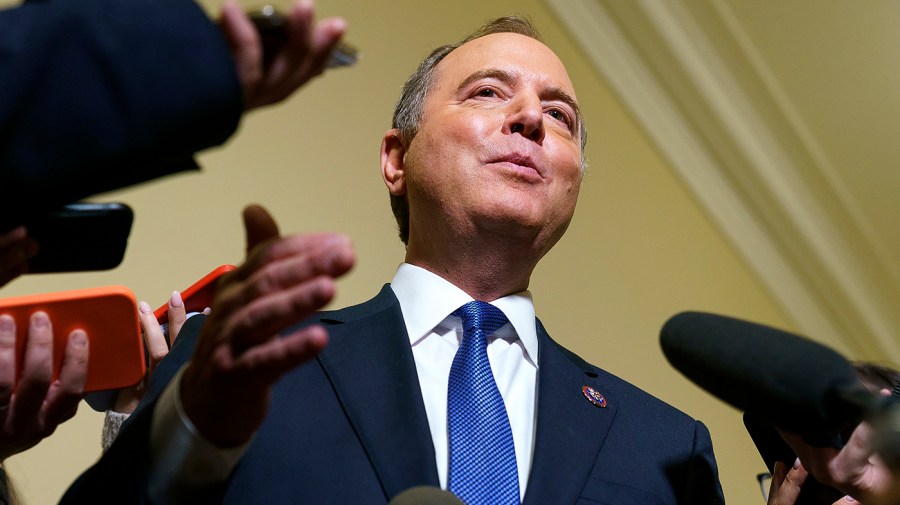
(198, 296)
(109, 317)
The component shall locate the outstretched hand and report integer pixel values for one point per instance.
(239, 353)
(304, 56)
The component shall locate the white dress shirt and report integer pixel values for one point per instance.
(427, 301)
(182, 461)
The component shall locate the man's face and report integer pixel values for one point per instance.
(498, 145)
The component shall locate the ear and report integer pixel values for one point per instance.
(393, 153)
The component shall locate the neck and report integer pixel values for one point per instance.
(486, 269)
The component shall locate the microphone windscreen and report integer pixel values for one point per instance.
(790, 381)
(425, 495)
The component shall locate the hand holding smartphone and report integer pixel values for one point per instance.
(108, 315)
(272, 27)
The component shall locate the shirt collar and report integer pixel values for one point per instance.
(426, 299)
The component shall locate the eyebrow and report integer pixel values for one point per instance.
(554, 92)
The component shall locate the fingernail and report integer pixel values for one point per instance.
(849, 499)
(796, 463)
(176, 300)
(79, 338)
(39, 320)
(144, 307)
(7, 324)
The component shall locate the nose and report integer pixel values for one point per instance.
(526, 117)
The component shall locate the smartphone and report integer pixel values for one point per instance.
(272, 28)
(80, 237)
(198, 296)
(109, 317)
(773, 448)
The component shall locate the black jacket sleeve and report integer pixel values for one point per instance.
(100, 94)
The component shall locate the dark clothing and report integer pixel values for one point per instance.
(350, 427)
(100, 94)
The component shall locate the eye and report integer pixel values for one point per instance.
(559, 116)
(485, 93)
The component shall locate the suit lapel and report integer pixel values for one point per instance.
(570, 429)
(369, 362)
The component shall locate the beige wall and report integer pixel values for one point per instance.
(638, 251)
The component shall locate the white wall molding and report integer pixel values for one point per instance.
(758, 174)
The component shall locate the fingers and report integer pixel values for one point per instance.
(786, 483)
(37, 372)
(177, 315)
(293, 280)
(238, 355)
(7, 359)
(128, 398)
(285, 263)
(303, 56)
(854, 469)
(266, 363)
(246, 381)
(245, 45)
(68, 389)
(265, 317)
(281, 284)
(154, 338)
(259, 226)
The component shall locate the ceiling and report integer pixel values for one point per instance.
(782, 119)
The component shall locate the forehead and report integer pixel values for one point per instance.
(527, 59)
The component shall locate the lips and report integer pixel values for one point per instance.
(518, 162)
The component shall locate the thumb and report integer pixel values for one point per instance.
(259, 226)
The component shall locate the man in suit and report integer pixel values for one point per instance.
(483, 165)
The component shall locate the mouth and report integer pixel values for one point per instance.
(520, 164)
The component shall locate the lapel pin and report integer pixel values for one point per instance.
(594, 396)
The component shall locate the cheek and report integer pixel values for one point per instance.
(569, 175)
(469, 134)
(569, 166)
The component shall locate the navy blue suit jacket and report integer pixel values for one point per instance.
(350, 427)
(99, 94)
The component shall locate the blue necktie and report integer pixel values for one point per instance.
(482, 467)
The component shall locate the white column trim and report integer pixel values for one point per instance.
(793, 238)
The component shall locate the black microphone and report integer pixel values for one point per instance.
(425, 495)
(783, 379)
